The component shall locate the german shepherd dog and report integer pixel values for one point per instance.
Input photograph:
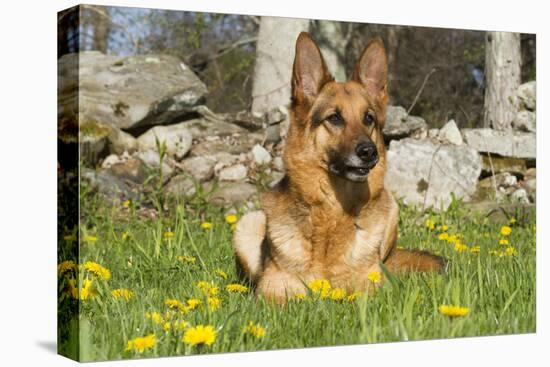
(330, 217)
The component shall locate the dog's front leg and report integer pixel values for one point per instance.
(278, 285)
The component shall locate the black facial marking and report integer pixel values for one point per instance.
(369, 118)
(317, 116)
(335, 119)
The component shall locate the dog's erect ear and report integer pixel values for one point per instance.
(372, 68)
(309, 72)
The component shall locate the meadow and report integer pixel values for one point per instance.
(163, 283)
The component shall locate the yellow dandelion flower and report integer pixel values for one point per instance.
(87, 291)
(141, 343)
(236, 288)
(207, 288)
(214, 303)
(176, 305)
(475, 249)
(337, 294)
(321, 287)
(459, 247)
(206, 225)
(126, 236)
(221, 273)
(65, 267)
(69, 238)
(126, 203)
(231, 218)
(168, 235)
(496, 253)
(72, 288)
(187, 259)
(505, 230)
(430, 224)
(166, 326)
(512, 221)
(200, 335)
(193, 303)
(504, 242)
(180, 325)
(443, 236)
(444, 228)
(300, 296)
(453, 311)
(352, 297)
(90, 239)
(155, 316)
(123, 293)
(453, 239)
(98, 270)
(255, 330)
(374, 276)
(510, 251)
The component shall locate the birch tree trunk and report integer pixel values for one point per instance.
(332, 42)
(503, 74)
(274, 58)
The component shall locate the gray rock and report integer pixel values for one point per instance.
(201, 168)
(499, 180)
(527, 95)
(109, 185)
(278, 164)
(181, 186)
(505, 143)
(233, 173)
(246, 119)
(273, 133)
(120, 142)
(399, 124)
(276, 115)
(427, 174)
(152, 159)
(234, 144)
(132, 169)
(232, 193)
(530, 173)
(530, 185)
(110, 160)
(433, 133)
(521, 196)
(525, 121)
(177, 138)
(450, 134)
(202, 128)
(261, 155)
(127, 92)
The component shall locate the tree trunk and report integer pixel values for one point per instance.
(100, 26)
(274, 59)
(391, 50)
(332, 42)
(502, 73)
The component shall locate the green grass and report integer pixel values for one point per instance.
(499, 291)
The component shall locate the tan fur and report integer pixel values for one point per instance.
(316, 224)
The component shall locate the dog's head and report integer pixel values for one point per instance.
(339, 124)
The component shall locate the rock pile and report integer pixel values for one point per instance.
(141, 115)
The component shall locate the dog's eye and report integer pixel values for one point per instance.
(335, 119)
(369, 119)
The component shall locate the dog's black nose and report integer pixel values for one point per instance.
(367, 152)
